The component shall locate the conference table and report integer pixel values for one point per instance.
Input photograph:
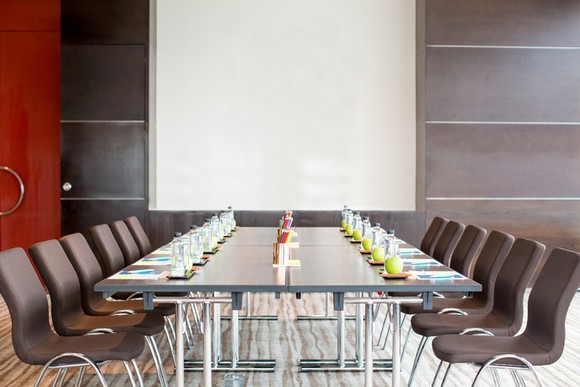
(328, 263)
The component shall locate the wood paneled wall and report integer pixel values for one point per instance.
(501, 115)
(104, 111)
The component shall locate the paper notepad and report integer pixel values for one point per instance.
(410, 251)
(144, 274)
(154, 261)
(291, 263)
(435, 275)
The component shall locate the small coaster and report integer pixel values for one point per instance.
(202, 263)
(354, 241)
(364, 251)
(211, 252)
(347, 235)
(395, 276)
(188, 274)
(373, 262)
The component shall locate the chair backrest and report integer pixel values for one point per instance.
(466, 249)
(447, 242)
(489, 262)
(126, 242)
(108, 248)
(87, 267)
(550, 299)
(512, 280)
(62, 282)
(26, 302)
(139, 235)
(432, 234)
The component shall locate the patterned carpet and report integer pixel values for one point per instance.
(288, 340)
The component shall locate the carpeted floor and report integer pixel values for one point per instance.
(288, 340)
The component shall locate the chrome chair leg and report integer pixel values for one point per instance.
(168, 328)
(418, 355)
(437, 373)
(154, 349)
(495, 359)
(446, 375)
(80, 376)
(138, 372)
(58, 378)
(131, 377)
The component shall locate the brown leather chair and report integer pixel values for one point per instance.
(543, 340)
(33, 340)
(112, 259)
(447, 242)
(139, 235)
(68, 315)
(432, 234)
(486, 269)
(506, 315)
(126, 242)
(465, 252)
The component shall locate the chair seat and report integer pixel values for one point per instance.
(469, 305)
(122, 346)
(433, 324)
(147, 324)
(479, 349)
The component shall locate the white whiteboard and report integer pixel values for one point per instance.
(273, 105)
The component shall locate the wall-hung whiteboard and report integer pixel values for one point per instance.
(273, 105)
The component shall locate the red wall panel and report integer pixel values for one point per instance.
(29, 15)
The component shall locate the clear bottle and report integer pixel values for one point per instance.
(207, 235)
(232, 218)
(215, 228)
(392, 246)
(366, 228)
(177, 264)
(195, 244)
(348, 217)
(186, 251)
(343, 216)
(224, 223)
(357, 223)
(377, 235)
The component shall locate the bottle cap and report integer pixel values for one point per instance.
(177, 235)
(391, 231)
(193, 227)
(377, 225)
(366, 218)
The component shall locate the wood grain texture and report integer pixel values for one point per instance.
(502, 160)
(105, 22)
(553, 223)
(500, 22)
(103, 82)
(103, 160)
(493, 84)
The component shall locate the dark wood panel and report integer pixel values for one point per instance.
(103, 160)
(502, 161)
(521, 85)
(103, 82)
(554, 223)
(105, 21)
(82, 214)
(501, 22)
(409, 225)
(30, 15)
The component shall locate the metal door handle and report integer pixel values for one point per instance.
(67, 186)
(11, 171)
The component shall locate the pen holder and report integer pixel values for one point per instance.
(281, 253)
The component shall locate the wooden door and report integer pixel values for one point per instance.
(29, 121)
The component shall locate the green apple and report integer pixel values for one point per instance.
(378, 254)
(394, 265)
(367, 243)
(348, 229)
(214, 242)
(343, 223)
(357, 235)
